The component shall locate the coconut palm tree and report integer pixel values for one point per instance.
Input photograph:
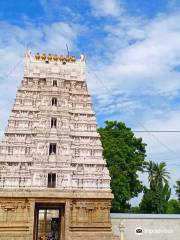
(150, 166)
(156, 197)
(157, 172)
(161, 175)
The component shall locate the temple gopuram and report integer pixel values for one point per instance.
(54, 183)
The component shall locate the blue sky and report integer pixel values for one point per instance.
(133, 60)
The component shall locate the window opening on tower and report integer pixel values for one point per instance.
(10, 150)
(54, 83)
(53, 122)
(51, 180)
(54, 101)
(52, 148)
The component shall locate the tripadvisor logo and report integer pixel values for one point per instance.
(139, 231)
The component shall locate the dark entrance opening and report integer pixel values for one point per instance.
(49, 222)
(54, 83)
(54, 102)
(51, 180)
(52, 148)
(53, 122)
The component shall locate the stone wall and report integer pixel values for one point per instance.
(86, 215)
(149, 226)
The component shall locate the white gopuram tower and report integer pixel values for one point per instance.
(54, 183)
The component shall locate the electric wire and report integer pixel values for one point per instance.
(137, 121)
(145, 130)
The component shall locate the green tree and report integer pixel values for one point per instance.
(149, 168)
(125, 156)
(155, 198)
(177, 187)
(173, 207)
(134, 210)
(160, 173)
(156, 172)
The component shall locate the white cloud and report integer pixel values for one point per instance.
(139, 58)
(163, 143)
(149, 61)
(142, 61)
(106, 7)
(164, 146)
(51, 6)
(13, 43)
(53, 37)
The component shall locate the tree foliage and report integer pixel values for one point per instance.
(157, 172)
(134, 209)
(125, 156)
(173, 207)
(177, 187)
(156, 197)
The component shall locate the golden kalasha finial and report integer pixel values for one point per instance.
(67, 58)
(37, 56)
(50, 57)
(73, 59)
(55, 57)
(61, 58)
(43, 57)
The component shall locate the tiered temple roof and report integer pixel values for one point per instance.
(51, 140)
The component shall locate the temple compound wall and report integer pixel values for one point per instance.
(54, 183)
(145, 226)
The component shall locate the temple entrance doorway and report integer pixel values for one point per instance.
(49, 222)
